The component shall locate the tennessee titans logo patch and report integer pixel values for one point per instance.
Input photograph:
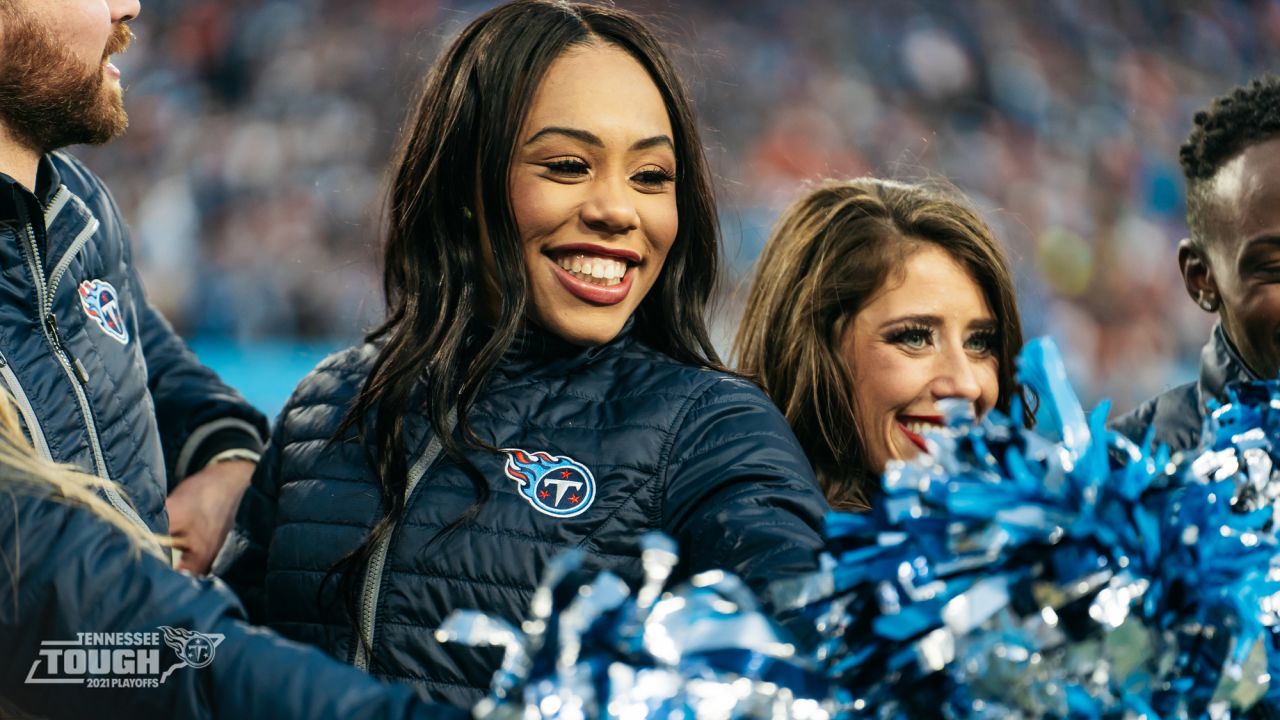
(193, 648)
(102, 304)
(554, 485)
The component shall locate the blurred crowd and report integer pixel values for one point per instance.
(253, 169)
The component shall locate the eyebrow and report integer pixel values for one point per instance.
(936, 320)
(590, 138)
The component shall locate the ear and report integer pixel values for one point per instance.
(1197, 275)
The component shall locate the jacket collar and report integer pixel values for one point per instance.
(12, 192)
(1220, 364)
(537, 350)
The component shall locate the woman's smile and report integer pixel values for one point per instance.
(599, 282)
(915, 426)
(593, 193)
(593, 273)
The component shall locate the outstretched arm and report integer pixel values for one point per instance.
(740, 494)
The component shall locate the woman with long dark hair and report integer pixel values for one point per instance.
(873, 301)
(543, 380)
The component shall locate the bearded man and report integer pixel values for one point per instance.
(101, 379)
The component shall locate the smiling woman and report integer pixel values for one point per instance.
(543, 379)
(926, 334)
(872, 302)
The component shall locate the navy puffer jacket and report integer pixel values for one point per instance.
(600, 444)
(1178, 413)
(65, 571)
(101, 380)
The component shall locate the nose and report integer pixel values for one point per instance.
(610, 209)
(124, 10)
(956, 377)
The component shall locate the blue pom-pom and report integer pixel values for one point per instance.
(594, 648)
(1061, 571)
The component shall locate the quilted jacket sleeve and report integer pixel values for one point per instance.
(198, 415)
(243, 563)
(250, 540)
(1135, 424)
(65, 571)
(740, 494)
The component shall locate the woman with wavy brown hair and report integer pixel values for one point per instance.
(873, 301)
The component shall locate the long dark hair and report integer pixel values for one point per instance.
(829, 253)
(436, 349)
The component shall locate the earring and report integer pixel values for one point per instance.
(466, 212)
(1206, 303)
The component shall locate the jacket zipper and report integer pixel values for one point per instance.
(61, 268)
(56, 203)
(373, 576)
(73, 369)
(24, 408)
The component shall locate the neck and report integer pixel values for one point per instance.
(17, 160)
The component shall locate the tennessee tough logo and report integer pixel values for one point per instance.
(554, 485)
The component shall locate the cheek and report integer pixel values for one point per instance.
(661, 223)
(889, 383)
(989, 380)
(527, 206)
(893, 380)
(873, 404)
(83, 27)
(1262, 311)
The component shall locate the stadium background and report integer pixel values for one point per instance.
(252, 172)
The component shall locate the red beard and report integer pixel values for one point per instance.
(48, 98)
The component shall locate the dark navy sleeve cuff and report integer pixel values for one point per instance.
(219, 436)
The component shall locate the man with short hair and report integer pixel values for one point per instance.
(100, 378)
(1231, 262)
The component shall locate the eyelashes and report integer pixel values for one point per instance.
(573, 168)
(651, 177)
(918, 337)
(983, 341)
(654, 177)
(915, 337)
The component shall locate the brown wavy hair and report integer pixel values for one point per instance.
(827, 256)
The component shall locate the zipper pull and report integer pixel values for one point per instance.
(51, 324)
(80, 371)
(51, 321)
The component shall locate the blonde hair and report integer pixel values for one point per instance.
(828, 254)
(21, 466)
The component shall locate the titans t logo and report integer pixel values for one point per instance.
(554, 485)
(102, 305)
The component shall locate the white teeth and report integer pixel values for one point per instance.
(598, 270)
(919, 428)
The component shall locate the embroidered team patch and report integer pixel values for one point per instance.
(554, 485)
(102, 304)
